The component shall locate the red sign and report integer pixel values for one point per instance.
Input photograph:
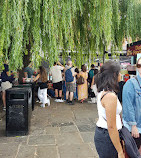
(126, 77)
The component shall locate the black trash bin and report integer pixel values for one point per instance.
(32, 86)
(18, 111)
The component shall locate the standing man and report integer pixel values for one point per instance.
(91, 74)
(28, 71)
(90, 78)
(70, 83)
(56, 73)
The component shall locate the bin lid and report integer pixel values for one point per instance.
(18, 89)
(22, 85)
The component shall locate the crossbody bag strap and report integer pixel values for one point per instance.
(138, 81)
(104, 95)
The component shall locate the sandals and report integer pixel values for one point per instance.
(82, 100)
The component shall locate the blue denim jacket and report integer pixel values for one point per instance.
(131, 101)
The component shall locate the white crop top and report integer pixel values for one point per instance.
(102, 114)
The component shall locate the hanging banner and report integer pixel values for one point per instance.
(134, 48)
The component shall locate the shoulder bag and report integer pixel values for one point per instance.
(80, 80)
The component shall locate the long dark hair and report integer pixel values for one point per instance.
(43, 74)
(107, 77)
(83, 68)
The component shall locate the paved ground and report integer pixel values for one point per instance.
(58, 131)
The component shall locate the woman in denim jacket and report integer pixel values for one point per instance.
(132, 106)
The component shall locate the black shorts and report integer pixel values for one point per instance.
(138, 141)
(57, 85)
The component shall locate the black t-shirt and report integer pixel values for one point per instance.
(42, 85)
(4, 75)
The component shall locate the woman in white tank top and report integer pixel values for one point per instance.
(106, 137)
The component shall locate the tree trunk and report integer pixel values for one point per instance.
(26, 61)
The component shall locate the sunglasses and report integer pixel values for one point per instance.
(138, 65)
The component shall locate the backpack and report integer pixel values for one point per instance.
(91, 73)
(68, 75)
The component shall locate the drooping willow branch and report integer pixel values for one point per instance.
(82, 27)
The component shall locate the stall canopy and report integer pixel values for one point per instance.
(134, 48)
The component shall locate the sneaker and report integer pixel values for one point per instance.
(48, 102)
(93, 100)
(4, 108)
(57, 100)
(61, 100)
(90, 102)
(38, 101)
(42, 105)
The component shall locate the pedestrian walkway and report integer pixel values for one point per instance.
(58, 131)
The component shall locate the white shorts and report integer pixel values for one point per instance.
(6, 85)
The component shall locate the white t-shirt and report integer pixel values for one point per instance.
(56, 73)
(102, 122)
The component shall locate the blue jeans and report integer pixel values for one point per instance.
(51, 93)
(103, 144)
(64, 90)
(75, 94)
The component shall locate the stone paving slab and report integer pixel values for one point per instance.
(86, 128)
(59, 121)
(26, 152)
(76, 151)
(88, 137)
(52, 130)
(47, 152)
(92, 145)
(68, 129)
(57, 131)
(83, 114)
(84, 121)
(69, 138)
(8, 150)
(62, 123)
(37, 132)
(6, 140)
(41, 140)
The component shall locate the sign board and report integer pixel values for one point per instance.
(134, 48)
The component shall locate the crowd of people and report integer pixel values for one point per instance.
(64, 79)
(69, 83)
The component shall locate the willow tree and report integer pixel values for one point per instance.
(81, 27)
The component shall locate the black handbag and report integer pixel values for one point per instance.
(80, 80)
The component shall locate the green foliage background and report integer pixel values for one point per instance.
(51, 26)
